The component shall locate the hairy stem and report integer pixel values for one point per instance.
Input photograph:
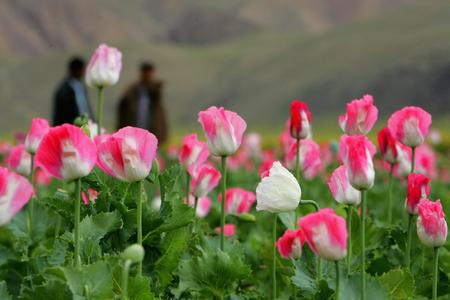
(125, 274)
(77, 205)
(188, 185)
(409, 240)
(435, 271)
(100, 93)
(222, 206)
(349, 250)
(31, 202)
(389, 206)
(274, 257)
(139, 221)
(336, 264)
(363, 243)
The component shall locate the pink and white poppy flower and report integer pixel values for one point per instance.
(66, 152)
(128, 154)
(15, 192)
(223, 129)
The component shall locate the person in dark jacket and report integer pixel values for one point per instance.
(70, 98)
(142, 105)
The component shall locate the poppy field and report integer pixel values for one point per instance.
(91, 214)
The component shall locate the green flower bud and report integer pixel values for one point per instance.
(135, 253)
(247, 217)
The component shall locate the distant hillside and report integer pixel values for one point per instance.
(400, 56)
(36, 27)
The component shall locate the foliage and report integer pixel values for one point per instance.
(182, 260)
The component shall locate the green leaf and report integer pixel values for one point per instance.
(181, 215)
(58, 254)
(93, 229)
(91, 281)
(351, 288)
(96, 227)
(139, 289)
(53, 289)
(213, 273)
(288, 219)
(304, 278)
(4, 293)
(399, 283)
(173, 246)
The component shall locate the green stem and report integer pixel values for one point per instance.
(391, 172)
(297, 171)
(195, 205)
(77, 205)
(222, 206)
(188, 185)
(195, 214)
(311, 202)
(100, 110)
(435, 271)
(336, 264)
(162, 189)
(125, 274)
(408, 242)
(363, 243)
(274, 257)
(31, 202)
(139, 222)
(297, 162)
(349, 249)
(413, 158)
(319, 269)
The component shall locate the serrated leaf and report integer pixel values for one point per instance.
(58, 254)
(4, 293)
(399, 283)
(94, 228)
(173, 246)
(90, 281)
(304, 278)
(139, 289)
(53, 289)
(351, 288)
(214, 272)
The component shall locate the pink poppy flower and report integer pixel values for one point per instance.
(15, 192)
(300, 122)
(229, 230)
(204, 178)
(326, 233)
(223, 129)
(357, 153)
(66, 152)
(290, 244)
(19, 160)
(128, 154)
(410, 125)
(360, 117)
(418, 188)
(39, 128)
(238, 201)
(431, 224)
(193, 151)
(104, 67)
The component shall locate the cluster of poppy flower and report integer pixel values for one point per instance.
(69, 153)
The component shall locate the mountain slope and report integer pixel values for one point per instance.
(400, 57)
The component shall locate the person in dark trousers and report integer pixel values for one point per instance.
(142, 105)
(70, 98)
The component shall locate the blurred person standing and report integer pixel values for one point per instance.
(70, 98)
(142, 105)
